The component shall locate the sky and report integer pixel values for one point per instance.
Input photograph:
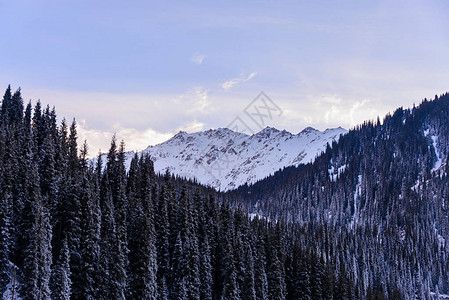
(148, 69)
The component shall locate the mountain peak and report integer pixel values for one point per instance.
(268, 132)
(308, 130)
(225, 159)
(335, 129)
(181, 132)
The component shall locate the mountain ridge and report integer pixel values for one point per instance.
(225, 159)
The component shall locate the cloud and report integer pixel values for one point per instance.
(198, 58)
(327, 111)
(195, 100)
(193, 126)
(227, 85)
(135, 139)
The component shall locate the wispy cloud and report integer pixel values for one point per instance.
(227, 85)
(198, 58)
(196, 99)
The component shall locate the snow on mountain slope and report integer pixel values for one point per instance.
(225, 159)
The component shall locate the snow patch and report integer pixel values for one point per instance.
(358, 191)
(439, 161)
(8, 294)
(440, 296)
(334, 174)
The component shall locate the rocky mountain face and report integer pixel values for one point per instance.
(224, 159)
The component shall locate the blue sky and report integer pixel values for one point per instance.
(147, 69)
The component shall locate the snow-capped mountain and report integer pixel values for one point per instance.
(225, 159)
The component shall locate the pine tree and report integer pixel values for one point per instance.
(303, 289)
(178, 290)
(72, 213)
(276, 271)
(12, 107)
(190, 245)
(36, 267)
(342, 286)
(143, 265)
(4, 242)
(205, 272)
(142, 258)
(276, 283)
(162, 225)
(90, 228)
(228, 269)
(113, 259)
(118, 188)
(316, 277)
(60, 280)
(6, 103)
(108, 286)
(260, 276)
(248, 288)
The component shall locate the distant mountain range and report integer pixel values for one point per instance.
(224, 159)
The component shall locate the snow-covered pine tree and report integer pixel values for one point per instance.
(72, 209)
(108, 287)
(90, 230)
(4, 112)
(142, 274)
(260, 275)
(178, 289)
(60, 283)
(205, 272)
(162, 226)
(190, 249)
(4, 240)
(248, 289)
(38, 257)
(228, 270)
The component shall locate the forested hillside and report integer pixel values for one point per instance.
(70, 230)
(367, 220)
(382, 191)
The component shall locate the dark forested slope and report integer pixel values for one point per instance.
(383, 188)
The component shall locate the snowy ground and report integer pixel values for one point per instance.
(8, 294)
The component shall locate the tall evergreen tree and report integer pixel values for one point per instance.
(6, 103)
(38, 257)
(60, 279)
(4, 242)
(162, 225)
(142, 275)
(90, 229)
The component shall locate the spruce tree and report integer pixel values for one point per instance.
(4, 242)
(90, 229)
(38, 257)
(60, 280)
(162, 226)
(205, 271)
(143, 265)
(6, 103)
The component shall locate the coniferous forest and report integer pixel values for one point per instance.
(378, 201)
(74, 228)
